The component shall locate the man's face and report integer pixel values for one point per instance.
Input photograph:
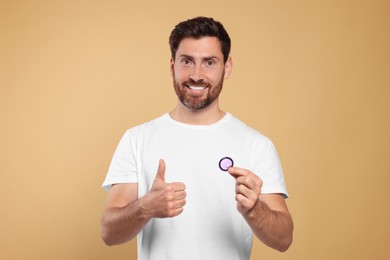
(198, 71)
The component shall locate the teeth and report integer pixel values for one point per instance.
(196, 88)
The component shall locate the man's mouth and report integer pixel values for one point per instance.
(196, 88)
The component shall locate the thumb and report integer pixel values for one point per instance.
(161, 171)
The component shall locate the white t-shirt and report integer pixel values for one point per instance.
(210, 226)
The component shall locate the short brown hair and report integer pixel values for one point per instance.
(197, 28)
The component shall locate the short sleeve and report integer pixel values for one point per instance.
(123, 168)
(268, 167)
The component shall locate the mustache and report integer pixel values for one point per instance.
(192, 82)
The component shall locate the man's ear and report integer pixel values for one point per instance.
(228, 67)
(172, 63)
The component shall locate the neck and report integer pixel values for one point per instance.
(205, 116)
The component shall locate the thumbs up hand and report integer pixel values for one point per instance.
(165, 199)
(159, 181)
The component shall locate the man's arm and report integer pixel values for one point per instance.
(271, 222)
(266, 214)
(124, 215)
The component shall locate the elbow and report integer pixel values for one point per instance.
(287, 239)
(283, 248)
(111, 237)
(107, 242)
(107, 239)
(107, 234)
(285, 245)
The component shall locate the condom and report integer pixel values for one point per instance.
(225, 163)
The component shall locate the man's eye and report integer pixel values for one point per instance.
(185, 61)
(210, 63)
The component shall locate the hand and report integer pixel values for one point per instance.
(248, 188)
(165, 199)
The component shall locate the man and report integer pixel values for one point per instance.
(169, 182)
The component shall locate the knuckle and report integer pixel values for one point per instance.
(168, 188)
(240, 187)
(255, 197)
(174, 212)
(248, 204)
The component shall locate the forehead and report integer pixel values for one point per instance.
(203, 47)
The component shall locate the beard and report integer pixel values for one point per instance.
(197, 102)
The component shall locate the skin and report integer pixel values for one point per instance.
(125, 215)
(192, 61)
(266, 214)
(198, 63)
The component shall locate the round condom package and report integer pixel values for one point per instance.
(225, 163)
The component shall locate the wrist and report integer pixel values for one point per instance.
(255, 211)
(143, 207)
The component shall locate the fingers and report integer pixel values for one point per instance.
(180, 195)
(161, 171)
(160, 204)
(247, 193)
(161, 176)
(178, 186)
(236, 172)
(246, 199)
(252, 182)
(247, 178)
(175, 212)
(174, 202)
(173, 194)
(168, 198)
(244, 204)
(248, 188)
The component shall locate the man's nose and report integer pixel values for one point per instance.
(197, 73)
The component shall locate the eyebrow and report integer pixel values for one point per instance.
(204, 58)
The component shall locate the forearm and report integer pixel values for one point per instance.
(273, 228)
(121, 224)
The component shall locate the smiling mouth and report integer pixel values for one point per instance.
(196, 88)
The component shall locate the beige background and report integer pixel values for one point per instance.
(312, 75)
